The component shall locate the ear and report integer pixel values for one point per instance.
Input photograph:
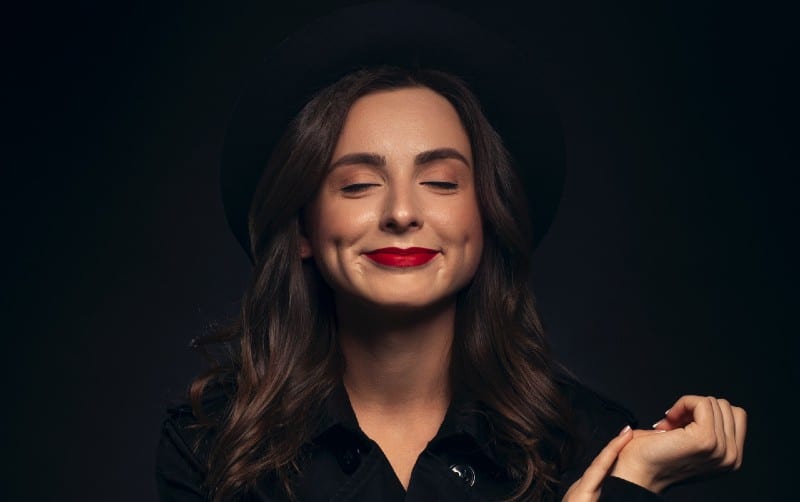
(305, 247)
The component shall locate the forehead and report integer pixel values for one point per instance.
(405, 119)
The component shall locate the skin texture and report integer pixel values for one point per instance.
(395, 326)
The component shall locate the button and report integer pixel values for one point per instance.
(350, 459)
(465, 472)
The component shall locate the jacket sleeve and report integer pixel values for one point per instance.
(618, 490)
(179, 474)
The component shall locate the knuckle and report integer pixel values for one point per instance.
(722, 401)
(707, 444)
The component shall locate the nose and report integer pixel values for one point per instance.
(401, 211)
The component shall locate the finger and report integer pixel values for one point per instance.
(731, 448)
(740, 418)
(689, 409)
(727, 415)
(665, 425)
(719, 430)
(644, 432)
(594, 475)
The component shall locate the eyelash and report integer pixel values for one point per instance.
(442, 184)
(358, 187)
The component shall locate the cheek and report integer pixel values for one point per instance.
(473, 236)
(337, 225)
(466, 223)
(476, 225)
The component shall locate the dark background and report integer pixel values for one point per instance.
(668, 270)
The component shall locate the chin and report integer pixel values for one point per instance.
(396, 304)
(408, 303)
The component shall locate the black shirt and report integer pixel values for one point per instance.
(346, 465)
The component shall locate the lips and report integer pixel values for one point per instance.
(398, 257)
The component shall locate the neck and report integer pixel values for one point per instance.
(396, 360)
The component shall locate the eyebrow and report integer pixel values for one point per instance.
(373, 159)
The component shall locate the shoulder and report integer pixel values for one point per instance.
(184, 445)
(596, 417)
(598, 412)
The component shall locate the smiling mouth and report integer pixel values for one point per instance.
(402, 258)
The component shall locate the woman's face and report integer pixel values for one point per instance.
(401, 177)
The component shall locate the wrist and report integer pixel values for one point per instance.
(638, 476)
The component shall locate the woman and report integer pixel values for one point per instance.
(388, 346)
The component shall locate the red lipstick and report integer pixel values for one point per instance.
(397, 257)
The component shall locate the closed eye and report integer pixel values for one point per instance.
(442, 184)
(357, 187)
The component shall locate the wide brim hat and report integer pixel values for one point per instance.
(410, 35)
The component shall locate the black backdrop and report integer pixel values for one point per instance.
(668, 269)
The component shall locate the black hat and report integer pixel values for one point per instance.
(409, 35)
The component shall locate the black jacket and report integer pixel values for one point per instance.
(345, 465)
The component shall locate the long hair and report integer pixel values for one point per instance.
(282, 357)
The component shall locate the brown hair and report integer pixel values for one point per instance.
(283, 354)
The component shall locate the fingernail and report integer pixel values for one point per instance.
(667, 412)
(656, 424)
(624, 430)
(661, 431)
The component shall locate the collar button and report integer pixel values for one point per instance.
(465, 472)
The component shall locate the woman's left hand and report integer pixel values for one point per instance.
(701, 436)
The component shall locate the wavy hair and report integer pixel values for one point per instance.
(282, 359)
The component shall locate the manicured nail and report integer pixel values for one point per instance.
(667, 412)
(624, 430)
(661, 431)
(656, 424)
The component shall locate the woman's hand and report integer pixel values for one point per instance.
(587, 487)
(701, 437)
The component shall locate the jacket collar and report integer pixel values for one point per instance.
(465, 424)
